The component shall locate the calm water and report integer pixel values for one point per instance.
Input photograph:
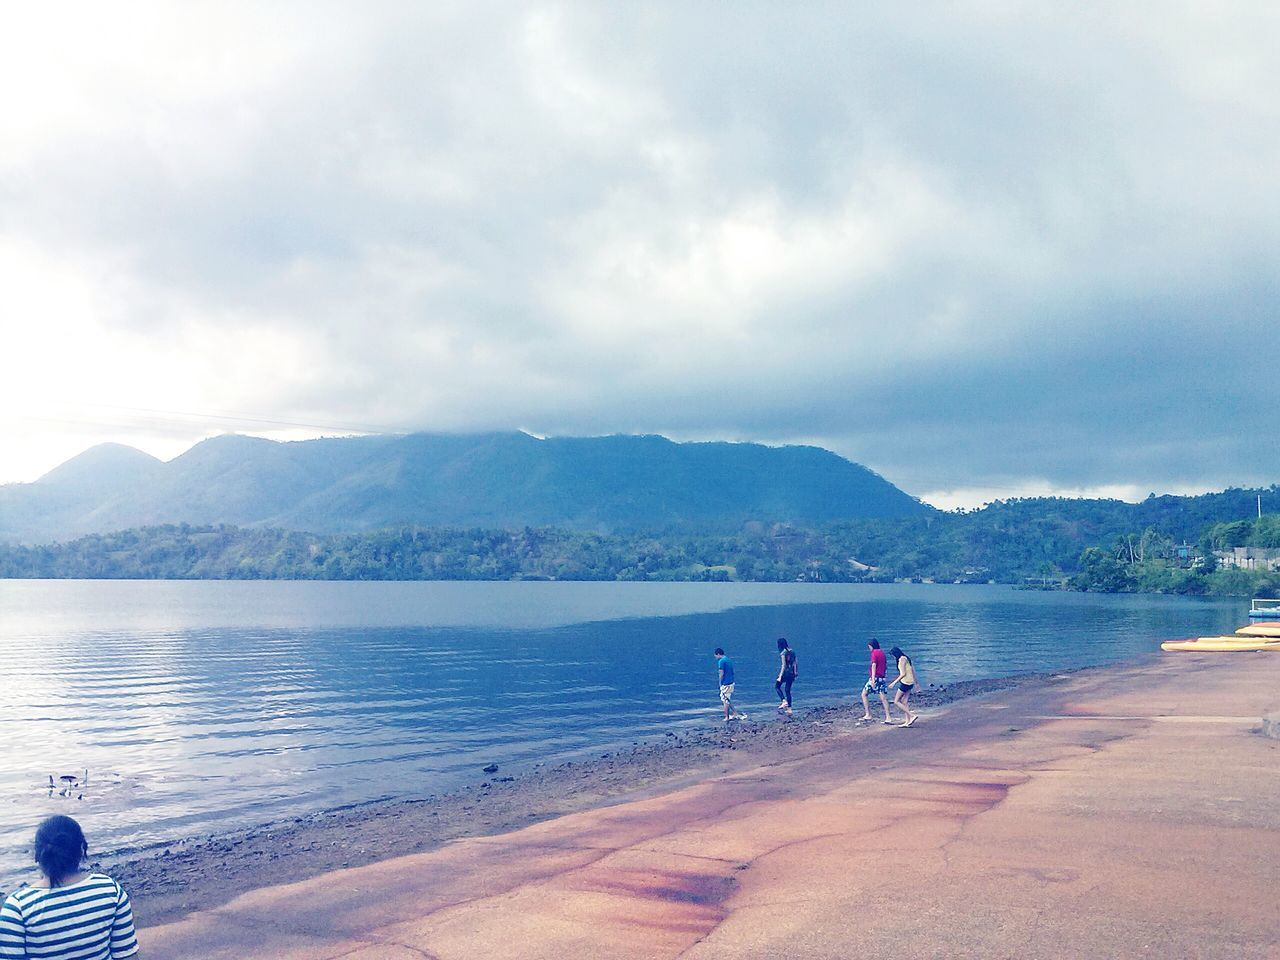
(202, 706)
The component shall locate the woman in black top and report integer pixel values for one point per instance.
(787, 672)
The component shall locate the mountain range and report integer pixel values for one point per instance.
(495, 480)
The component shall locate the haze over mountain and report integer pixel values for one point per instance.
(495, 480)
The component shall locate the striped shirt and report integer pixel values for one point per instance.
(89, 920)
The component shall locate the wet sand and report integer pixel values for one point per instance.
(171, 880)
(1122, 814)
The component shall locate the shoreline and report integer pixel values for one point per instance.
(1061, 816)
(1015, 583)
(168, 881)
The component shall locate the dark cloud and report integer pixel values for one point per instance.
(971, 245)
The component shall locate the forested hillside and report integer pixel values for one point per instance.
(494, 481)
(1093, 545)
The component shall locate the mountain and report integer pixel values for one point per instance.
(67, 498)
(497, 480)
(107, 466)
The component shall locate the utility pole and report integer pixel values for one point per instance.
(1259, 506)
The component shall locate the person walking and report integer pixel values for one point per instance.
(905, 682)
(67, 912)
(875, 684)
(788, 670)
(724, 669)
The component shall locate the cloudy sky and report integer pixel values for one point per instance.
(987, 249)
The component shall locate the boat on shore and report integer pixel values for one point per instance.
(1261, 633)
(1262, 628)
(1236, 644)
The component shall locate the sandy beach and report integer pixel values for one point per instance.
(1119, 814)
(174, 878)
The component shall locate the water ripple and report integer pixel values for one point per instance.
(199, 707)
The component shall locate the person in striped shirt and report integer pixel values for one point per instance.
(68, 913)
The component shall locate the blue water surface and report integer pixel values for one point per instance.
(204, 706)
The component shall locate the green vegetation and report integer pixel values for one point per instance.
(1263, 532)
(224, 552)
(1164, 544)
(1151, 563)
(495, 481)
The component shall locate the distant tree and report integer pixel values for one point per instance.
(1266, 532)
(1100, 572)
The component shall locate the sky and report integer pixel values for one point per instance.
(987, 249)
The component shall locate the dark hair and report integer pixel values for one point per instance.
(60, 846)
(897, 653)
(782, 643)
(719, 652)
(873, 643)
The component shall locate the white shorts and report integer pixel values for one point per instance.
(726, 692)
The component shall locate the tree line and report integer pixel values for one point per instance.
(1085, 545)
(1151, 563)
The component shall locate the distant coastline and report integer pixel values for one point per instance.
(510, 506)
(951, 548)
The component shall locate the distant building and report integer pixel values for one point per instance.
(1250, 558)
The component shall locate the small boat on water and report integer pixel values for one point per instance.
(1260, 609)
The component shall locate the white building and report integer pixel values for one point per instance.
(1249, 558)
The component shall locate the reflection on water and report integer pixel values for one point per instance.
(202, 706)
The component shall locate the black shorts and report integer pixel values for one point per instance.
(907, 687)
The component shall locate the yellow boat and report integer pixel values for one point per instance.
(1264, 629)
(1221, 645)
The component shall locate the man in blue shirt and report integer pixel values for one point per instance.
(724, 666)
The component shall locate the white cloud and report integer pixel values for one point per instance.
(971, 498)
(975, 247)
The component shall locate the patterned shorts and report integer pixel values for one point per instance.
(875, 686)
(726, 692)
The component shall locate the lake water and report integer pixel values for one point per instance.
(204, 706)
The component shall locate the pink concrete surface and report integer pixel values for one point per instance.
(1129, 814)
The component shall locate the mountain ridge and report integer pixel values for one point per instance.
(494, 480)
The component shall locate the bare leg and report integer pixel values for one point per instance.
(885, 702)
(866, 706)
(901, 700)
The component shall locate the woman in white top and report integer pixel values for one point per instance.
(67, 913)
(906, 682)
